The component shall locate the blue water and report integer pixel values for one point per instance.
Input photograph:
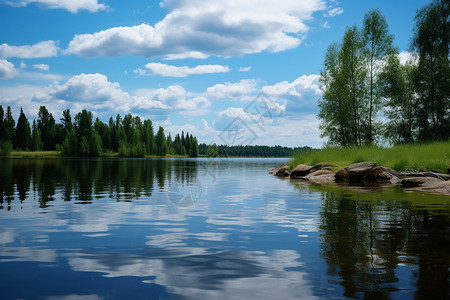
(211, 229)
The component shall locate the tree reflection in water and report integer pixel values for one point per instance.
(88, 180)
(366, 237)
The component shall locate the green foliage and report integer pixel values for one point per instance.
(22, 135)
(161, 145)
(363, 75)
(212, 151)
(431, 42)
(129, 137)
(36, 141)
(5, 147)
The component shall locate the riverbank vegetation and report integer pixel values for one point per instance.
(371, 97)
(429, 156)
(128, 136)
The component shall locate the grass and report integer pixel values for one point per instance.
(431, 156)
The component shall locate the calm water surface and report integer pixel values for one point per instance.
(211, 229)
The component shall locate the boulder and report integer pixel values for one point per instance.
(275, 170)
(323, 178)
(360, 170)
(342, 175)
(317, 173)
(383, 174)
(283, 171)
(321, 166)
(420, 181)
(300, 171)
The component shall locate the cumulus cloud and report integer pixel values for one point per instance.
(69, 5)
(302, 93)
(173, 97)
(232, 91)
(174, 71)
(7, 69)
(198, 29)
(92, 91)
(38, 50)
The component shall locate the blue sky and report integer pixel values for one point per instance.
(196, 66)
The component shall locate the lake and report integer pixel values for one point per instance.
(212, 229)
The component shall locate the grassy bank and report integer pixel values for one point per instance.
(432, 156)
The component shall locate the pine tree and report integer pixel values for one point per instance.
(22, 136)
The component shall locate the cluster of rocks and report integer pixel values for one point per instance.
(366, 172)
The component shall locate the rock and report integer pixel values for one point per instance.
(342, 175)
(426, 174)
(420, 181)
(275, 170)
(383, 174)
(323, 178)
(300, 171)
(440, 188)
(360, 170)
(283, 171)
(317, 173)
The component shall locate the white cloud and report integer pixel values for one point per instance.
(407, 57)
(72, 6)
(245, 69)
(174, 71)
(173, 97)
(300, 94)
(334, 12)
(232, 91)
(92, 91)
(23, 65)
(38, 50)
(43, 67)
(7, 69)
(198, 29)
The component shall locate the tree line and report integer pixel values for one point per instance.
(129, 136)
(363, 76)
(249, 150)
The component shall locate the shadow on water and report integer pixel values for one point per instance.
(368, 233)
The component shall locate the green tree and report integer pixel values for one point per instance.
(212, 150)
(377, 46)
(9, 125)
(22, 136)
(343, 107)
(431, 42)
(104, 132)
(195, 151)
(2, 124)
(334, 107)
(36, 140)
(161, 146)
(397, 83)
(66, 121)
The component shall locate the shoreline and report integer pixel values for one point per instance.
(365, 174)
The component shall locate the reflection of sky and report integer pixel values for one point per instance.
(249, 235)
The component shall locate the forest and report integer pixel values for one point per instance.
(249, 150)
(128, 136)
(370, 96)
